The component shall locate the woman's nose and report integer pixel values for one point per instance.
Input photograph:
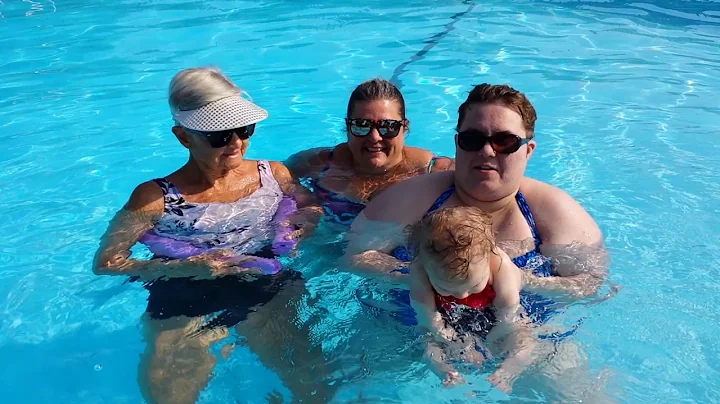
(235, 141)
(374, 135)
(487, 150)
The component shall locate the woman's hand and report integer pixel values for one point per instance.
(213, 264)
(305, 220)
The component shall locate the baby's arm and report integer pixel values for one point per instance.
(519, 340)
(422, 300)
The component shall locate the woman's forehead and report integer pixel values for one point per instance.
(376, 109)
(492, 118)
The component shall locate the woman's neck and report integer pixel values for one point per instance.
(380, 171)
(204, 174)
(495, 208)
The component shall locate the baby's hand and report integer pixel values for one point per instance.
(441, 330)
(466, 350)
(447, 333)
(452, 379)
(471, 355)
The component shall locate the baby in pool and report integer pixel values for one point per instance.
(466, 292)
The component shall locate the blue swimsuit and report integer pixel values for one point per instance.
(538, 307)
(337, 207)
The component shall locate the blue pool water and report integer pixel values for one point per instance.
(626, 94)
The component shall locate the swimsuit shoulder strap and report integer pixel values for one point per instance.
(164, 184)
(266, 176)
(441, 199)
(525, 209)
(170, 192)
(433, 160)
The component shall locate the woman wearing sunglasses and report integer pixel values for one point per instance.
(374, 157)
(215, 228)
(534, 221)
(545, 231)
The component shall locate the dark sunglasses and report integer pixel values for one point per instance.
(387, 128)
(473, 140)
(222, 138)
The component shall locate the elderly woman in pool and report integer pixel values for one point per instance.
(347, 176)
(535, 223)
(210, 225)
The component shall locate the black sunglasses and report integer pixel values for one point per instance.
(387, 128)
(472, 140)
(222, 138)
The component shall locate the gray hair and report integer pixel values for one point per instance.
(196, 87)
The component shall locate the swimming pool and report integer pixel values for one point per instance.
(626, 95)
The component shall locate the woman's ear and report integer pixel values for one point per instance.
(531, 147)
(182, 136)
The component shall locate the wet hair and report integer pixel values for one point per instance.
(501, 94)
(453, 237)
(376, 90)
(196, 87)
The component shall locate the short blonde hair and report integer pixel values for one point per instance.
(453, 237)
(196, 87)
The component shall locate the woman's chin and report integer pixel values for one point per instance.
(231, 162)
(484, 189)
(378, 162)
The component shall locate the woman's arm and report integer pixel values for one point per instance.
(139, 214)
(571, 238)
(307, 163)
(380, 265)
(369, 247)
(581, 270)
(380, 227)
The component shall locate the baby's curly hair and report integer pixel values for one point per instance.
(452, 237)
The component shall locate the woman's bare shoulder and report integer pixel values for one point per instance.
(147, 197)
(407, 200)
(306, 162)
(559, 217)
(425, 159)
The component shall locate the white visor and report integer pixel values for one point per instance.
(226, 113)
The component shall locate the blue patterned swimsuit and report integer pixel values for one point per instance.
(539, 308)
